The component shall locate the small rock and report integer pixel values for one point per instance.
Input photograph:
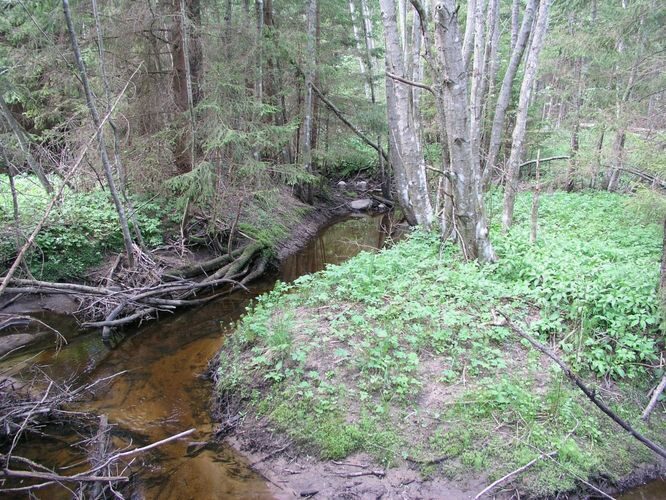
(381, 206)
(342, 184)
(362, 185)
(362, 204)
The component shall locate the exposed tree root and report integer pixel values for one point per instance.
(131, 295)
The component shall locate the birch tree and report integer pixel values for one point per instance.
(518, 138)
(504, 97)
(406, 153)
(469, 217)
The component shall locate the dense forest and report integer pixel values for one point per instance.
(160, 155)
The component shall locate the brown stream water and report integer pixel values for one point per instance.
(164, 391)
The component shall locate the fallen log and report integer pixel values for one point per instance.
(203, 267)
(111, 306)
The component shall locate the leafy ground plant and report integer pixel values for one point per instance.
(400, 355)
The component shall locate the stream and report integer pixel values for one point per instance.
(164, 391)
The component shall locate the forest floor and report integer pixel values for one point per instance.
(393, 374)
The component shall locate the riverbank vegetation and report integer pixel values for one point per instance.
(402, 355)
(151, 152)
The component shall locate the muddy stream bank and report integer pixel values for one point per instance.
(165, 391)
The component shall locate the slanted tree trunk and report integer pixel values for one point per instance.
(468, 40)
(100, 136)
(504, 97)
(515, 23)
(518, 138)
(24, 145)
(469, 215)
(405, 153)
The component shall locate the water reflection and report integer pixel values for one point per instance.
(163, 391)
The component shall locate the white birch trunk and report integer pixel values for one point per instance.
(518, 138)
(504, 97)
(469, 218)
(405, 153)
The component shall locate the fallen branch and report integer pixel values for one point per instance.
(349, 124)
(512, 474)
(543, 160)
(377, 473)
(653, 401)
(410, 82)
(589, 393)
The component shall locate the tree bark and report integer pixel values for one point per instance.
(405, 153)
(308, 112)
(120, 209)
(478, 77)
(613, 176)
(24, 145)
(518, 138)
(187, 69)
(468, 40)
(361, 57)
(504, 97)
(469, 217)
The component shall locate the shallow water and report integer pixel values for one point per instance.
(164, 392)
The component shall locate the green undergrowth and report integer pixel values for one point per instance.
(400, 354)
(79, 231)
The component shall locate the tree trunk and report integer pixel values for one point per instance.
(310, 70)
(518, 138)
(468, 40)
(613, 176)
(470, 220)
(360, 50)
(504, 97)
(405, 153)
(100, 136)
(24, 145)
(187, 69)
(597, 159)
(491, 60)
(662, 281)
(515, 23)
(478, 77)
